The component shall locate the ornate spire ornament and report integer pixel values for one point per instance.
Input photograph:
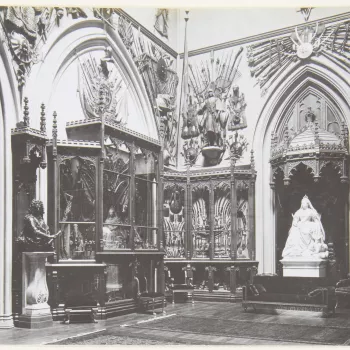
(43, 119)
(102, 89)
(26, 113)
(54, 126)
(252, 160)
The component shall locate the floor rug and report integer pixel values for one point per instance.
(253, 330)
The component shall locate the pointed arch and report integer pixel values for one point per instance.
(8, 114)
(80, 38)
(320, 77)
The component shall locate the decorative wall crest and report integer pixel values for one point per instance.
(26, 29)
(237, 144)
(191, 151)
(161, 24)
(268, 59)
(102, 89)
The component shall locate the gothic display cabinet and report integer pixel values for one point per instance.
(73, 211)
(105, 201)
(208, 223)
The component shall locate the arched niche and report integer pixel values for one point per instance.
(324, 80)
(328, 198)
(56, 77)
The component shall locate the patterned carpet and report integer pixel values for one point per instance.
(253, 330)
(114, 340)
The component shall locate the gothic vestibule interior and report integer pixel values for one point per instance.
(143, 164)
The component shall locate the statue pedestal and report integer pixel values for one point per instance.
(212, 154)
(36, 312)
(303, 267)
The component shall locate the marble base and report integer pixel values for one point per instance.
(36, 312)
(38, 309)
(34, 322)
(301, 267)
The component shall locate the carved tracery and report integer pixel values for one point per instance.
(321, 138)
(222, 218)
(174, 220)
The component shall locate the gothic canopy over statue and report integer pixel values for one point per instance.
(312, 146)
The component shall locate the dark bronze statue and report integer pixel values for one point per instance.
(36, 236)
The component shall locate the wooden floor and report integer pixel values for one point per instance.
(140, 326)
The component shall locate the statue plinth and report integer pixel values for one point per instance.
(304, 267)
(36, 311)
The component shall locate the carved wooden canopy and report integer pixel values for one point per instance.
(313, 147)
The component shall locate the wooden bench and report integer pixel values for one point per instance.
(80, 312)
(80, 307)
(289, 293)
(187, 288)
(183, 290)
(149, 300)
(285, 306)
(342, 292)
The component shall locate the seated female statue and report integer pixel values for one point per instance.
(306, 236)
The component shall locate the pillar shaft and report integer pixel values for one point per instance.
(6, 319)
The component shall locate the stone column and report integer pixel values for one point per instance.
(6, 319)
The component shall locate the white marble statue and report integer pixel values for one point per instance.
(306, 236)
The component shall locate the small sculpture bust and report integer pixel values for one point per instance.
(306, 236)
(36, 236)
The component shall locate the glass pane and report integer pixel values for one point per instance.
(145, 203)
(117, 282)
(222, 221)
(117, 157)
(145, 238)
(77, 241)
(77, 190)
(145, 165)
(115, 236)
(116, 192)
(174, 222)
(175, 244)
(242, 225)
(200, 222)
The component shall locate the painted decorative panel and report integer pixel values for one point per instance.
(243, 233)
(174, 221)
(222, 217)
(200, 222)
(77, 189)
